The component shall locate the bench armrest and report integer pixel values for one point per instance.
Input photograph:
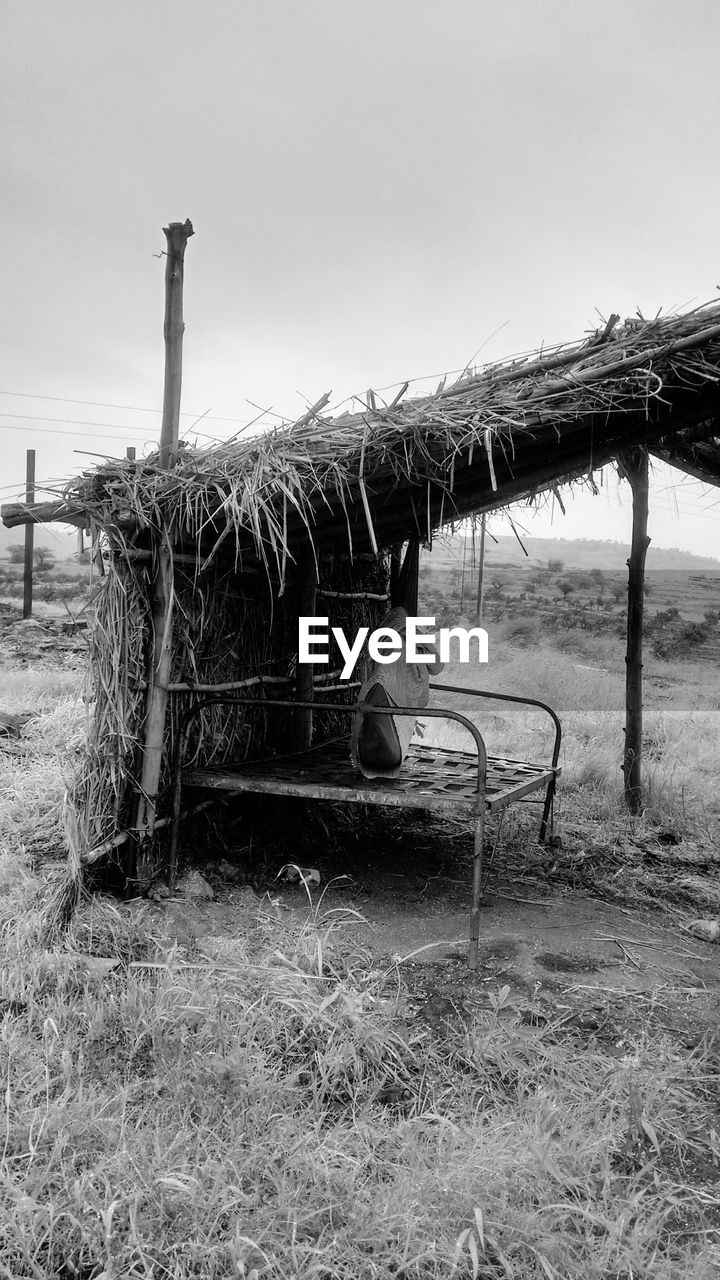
(508, 697)
(346, 709)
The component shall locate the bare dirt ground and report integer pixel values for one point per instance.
(550, 949)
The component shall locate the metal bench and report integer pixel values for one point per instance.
(435, 778)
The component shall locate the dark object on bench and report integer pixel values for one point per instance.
(432, 777)
(378, 743)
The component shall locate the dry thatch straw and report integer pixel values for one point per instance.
(388, 473)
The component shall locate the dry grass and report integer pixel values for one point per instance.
(279, 1113)
(36, 770)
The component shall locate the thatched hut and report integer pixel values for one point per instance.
(210, 562)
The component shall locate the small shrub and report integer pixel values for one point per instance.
(523, 632)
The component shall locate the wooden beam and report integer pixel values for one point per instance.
(14, 514)
(633, 467)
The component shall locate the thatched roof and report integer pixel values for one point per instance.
(370, 479)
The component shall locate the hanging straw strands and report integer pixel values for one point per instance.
(358, 471)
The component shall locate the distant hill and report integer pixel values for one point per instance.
(447, 552)
(576, 553)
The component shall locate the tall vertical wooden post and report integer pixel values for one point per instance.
(177, 235)
(481, 571)
(29, 535)
(395, 571)
(304, 685)
(633, 466)
(462, 577)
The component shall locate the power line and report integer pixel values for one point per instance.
(95, 404)
(88, 435)
(112, 435)
(78, 422)
(100, 404)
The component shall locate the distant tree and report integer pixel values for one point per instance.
(566, 587)
(556, 566)
(647, 588)
(16, 553)
(598, 577)
(43, 559)
(618, 590)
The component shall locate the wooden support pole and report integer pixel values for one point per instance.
(159, 678)
(304, 685)
(29, 536)
(130, 453)
(481, 572)
(633, 466)
(462, 576)
(395, 569)
(177, 235)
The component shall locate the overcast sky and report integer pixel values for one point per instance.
(379, 189)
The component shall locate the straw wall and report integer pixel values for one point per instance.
(229, 626)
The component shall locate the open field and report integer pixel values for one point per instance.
(253, 1087)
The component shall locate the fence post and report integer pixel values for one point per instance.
(29, 535)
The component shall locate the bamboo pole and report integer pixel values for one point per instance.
(177, 235)
(29, 535)
(633, 466)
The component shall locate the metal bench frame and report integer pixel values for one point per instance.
(299, 774)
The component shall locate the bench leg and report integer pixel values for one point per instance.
(476, 887)
(547, 811)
